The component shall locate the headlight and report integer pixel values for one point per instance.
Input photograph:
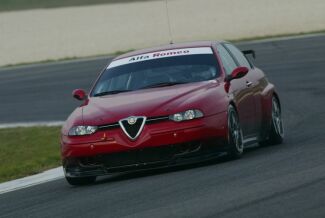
(186, 115)
(82, 130)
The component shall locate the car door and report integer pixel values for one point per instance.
(242, 93)
(252, 84)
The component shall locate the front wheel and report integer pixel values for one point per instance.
(76, 181)
(235, 135)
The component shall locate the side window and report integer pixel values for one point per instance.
(238, 55)
(227, 61)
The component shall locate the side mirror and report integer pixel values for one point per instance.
(237, 73)
(79, 94)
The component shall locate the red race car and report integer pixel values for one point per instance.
(167, 106)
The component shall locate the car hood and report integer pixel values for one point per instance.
(152, 102)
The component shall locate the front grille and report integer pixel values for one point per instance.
(109, 126)
(145, 155)
(153, 120)
(132, 130)
(134, 157)
(150, 120)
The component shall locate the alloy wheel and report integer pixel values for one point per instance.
(276, 117)
(236, 132)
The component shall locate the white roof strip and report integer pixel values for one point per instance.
(161, 54)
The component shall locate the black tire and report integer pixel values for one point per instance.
(235, 135)
(77, 181)
(276, 132)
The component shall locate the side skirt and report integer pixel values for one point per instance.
(250, 142)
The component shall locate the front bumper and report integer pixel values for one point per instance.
(160, 144)
(140, 159)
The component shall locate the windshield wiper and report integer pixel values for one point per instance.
(162, 84)
(110, 92)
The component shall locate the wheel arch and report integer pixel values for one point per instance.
(232, 103)
(266, 99)
(276, 95)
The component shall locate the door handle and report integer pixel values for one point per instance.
(248, 83)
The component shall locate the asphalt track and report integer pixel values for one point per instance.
(43, 92)
(277, 181)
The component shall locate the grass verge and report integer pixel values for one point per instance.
(27, 151)
(15, 5)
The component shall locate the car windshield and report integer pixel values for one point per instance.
(155, 73)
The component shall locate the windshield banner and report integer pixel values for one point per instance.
(161, 54)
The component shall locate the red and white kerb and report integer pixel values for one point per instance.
(161, 54)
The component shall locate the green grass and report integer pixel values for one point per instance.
(13, 5)
(27, 151)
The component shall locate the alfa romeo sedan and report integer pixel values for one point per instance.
(169, 105)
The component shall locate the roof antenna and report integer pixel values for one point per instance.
(168, 20)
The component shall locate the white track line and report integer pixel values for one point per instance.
(31, 124)
(29, 181)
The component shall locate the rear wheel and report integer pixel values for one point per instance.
(235, 135)
(81, 180)
(276, 133)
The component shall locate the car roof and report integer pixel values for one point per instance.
(169, 47)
